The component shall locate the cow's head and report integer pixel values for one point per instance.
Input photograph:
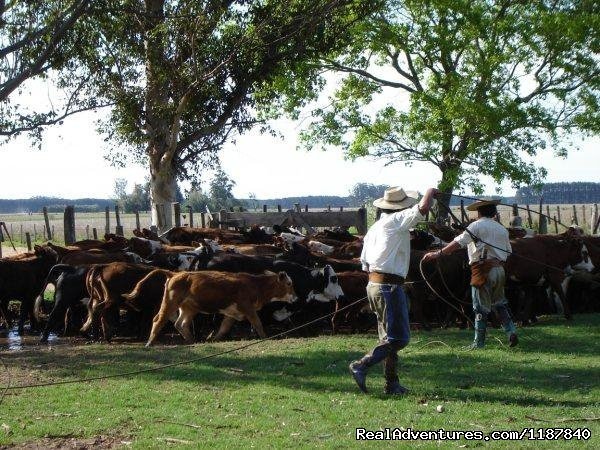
(317, 246)
(329, 289)
(581, 259)
(144, 247)
(284, 290)
(421, 240)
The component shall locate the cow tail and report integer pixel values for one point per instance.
(165, 274)
(52, 277)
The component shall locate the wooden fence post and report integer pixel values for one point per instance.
(596, 220)
(28, 239)
(34, 233)
(95, 233)
(69, 223)
(203, 220)
(119, 227)
(574, 220)
(278, 208)
(176, 214)
(87, 231)
(107, 220)
(305, 208)
(47, 222)
(558, 213)
(583, 221)
(191, 216)
(264, 208)
(542, 224)
(53, 235)
(529, 220)
(137, 221)
(21, 234)
(362, 221)
(0, 249)
(463, 214)
(555, 225)
(222, 219)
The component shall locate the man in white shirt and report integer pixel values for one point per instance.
(386, 255)
(488, 246)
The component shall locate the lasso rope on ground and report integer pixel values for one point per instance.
(179, 363)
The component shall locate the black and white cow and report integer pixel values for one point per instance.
(317, 291)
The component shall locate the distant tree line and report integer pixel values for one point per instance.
(576, 192)
(54, 204)
(219, 195)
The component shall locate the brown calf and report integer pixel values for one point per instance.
(235, 295)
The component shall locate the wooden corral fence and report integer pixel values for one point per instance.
(585, 216)
(68, 227)
(297, 217)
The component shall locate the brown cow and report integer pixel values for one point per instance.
(354, 285)
(148, 247)
(106, 283)
(237, 296)
(545, 258)
(186, 236)
(76, 257)
(254, 249)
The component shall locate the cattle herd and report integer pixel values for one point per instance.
(211, 283)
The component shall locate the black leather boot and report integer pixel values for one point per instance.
(359, 368)
(390, 371)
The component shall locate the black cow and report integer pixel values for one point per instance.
(234, 262)
(22, 280)
(302, 255)
(70, 290)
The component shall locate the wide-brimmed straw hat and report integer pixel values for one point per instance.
(482, 202)
(397, 198)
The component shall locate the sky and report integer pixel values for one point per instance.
(71, 164)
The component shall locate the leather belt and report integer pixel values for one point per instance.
(385, 278)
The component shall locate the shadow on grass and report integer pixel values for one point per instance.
(494, 376)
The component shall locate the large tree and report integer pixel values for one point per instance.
(474, 87)
(182, 75)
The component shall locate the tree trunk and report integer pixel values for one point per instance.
(163, 191)
(447, 185)
(163, 183)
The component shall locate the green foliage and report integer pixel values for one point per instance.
(137, 200)
(36, 41)
(219, 196)
(182, 76)
(365, 193)
(472, 86)
(576, 192)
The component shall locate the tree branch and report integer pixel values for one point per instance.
(35, 68)
(334, 65)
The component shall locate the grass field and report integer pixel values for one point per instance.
(298, 392)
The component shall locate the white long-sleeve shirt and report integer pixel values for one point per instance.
(487, 230)
(386, 246)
